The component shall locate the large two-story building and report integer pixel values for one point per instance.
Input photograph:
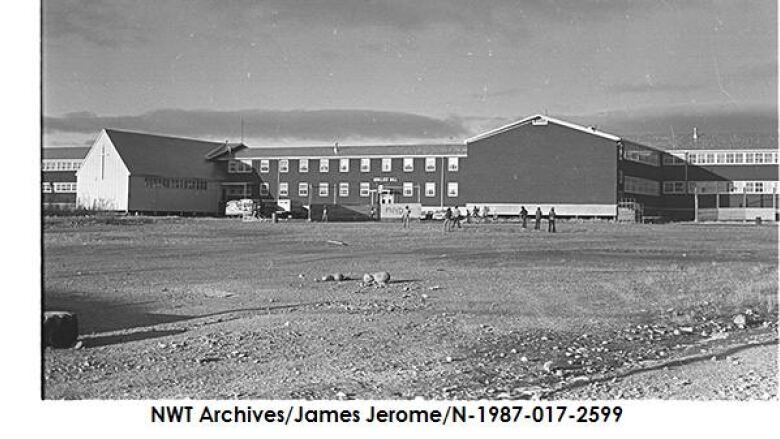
(58, 176)
(538, 161)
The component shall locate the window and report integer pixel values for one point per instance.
(264, 188)
(343, 189)
(343, 165)
(408, 190)
(643, 186)
(365, 189)
(238, 167)
(720, 158)
(323, 189)
(430, 189)
(365, 165)
(673, 160)
(387, 165)
(759, 158)
(730, 158)
(324, 165)
(284, 165)
(430, 164)
(693, 158)
(739, 158)
(749, 157)
(303, 189)
(674, 187)
(709, 158)
(265, 166)
(46, 187)
(303, 165)
(759, 186)
(65, 187)
(452, 189)
(408, 164)
(774, 157)
(239, 191)
(284, 189)
(749, 186)
(452, 165)
(636, 153)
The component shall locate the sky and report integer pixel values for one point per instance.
(314, 72)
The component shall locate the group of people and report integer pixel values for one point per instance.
(538, 218)
(451, 219)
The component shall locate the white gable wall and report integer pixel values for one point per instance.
(103, 179)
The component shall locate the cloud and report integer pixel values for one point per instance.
(316, 125)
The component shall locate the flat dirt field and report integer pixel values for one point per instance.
(222, 309)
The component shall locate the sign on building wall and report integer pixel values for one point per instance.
(390, 211)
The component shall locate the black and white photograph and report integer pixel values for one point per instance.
(422, 201)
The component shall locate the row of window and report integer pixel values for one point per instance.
(719, 187)
(323, 189)
(60, 165)
(68, 187)
(195, 184)
(642, 186)
(721, 158)
(236, 166)
(640, 155)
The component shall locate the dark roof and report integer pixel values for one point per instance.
(149, 154)
(353, 150)
(64, 153)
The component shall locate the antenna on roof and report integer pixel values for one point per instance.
(336, 148)
(242, 130)
(695, 135)
(674, 141)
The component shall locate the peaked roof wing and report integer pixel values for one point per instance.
(150, 154)
(548, 119)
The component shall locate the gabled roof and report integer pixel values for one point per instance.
(387, 150)
(64, 153)
(537, 118)
(149, 154)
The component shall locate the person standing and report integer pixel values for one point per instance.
(455, 218)
(538, 218)
(447, 219)
(524, 216)
(551, 220)
(405, 216)
(324, 214)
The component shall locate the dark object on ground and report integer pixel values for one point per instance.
(60, 329)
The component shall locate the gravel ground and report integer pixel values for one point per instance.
(750, 374)
(222, 309)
